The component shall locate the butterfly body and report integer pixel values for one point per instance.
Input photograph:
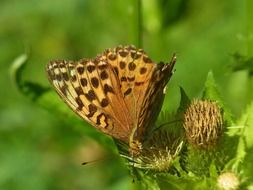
(120, 92)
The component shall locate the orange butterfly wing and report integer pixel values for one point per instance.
(120, 92)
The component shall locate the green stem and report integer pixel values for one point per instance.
(249, 27)
(139, 23)
(135, 27)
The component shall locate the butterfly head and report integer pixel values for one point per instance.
(135, 148)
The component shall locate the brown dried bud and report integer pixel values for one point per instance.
(203, 123)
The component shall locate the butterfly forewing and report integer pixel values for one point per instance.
(95, 100)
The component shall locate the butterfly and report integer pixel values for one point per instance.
(120, 92)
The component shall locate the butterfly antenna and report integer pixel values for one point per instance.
(100, 160)
(91, 162)
(167, 123)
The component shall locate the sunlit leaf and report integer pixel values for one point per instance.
(30, 89)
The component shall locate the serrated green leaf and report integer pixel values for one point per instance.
(184, 102)
(246, 122)
(213, 170)
(241, 150)
(244, 134)
(211, 92)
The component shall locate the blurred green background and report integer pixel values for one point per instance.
(42, 147)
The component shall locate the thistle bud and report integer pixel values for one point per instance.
(228, 181)
(203, 123)
(158, 152)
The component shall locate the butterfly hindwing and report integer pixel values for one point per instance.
(142, 82)
(153, 99)
(134, 70)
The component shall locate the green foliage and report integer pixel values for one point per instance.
(200, 168)
(30, 89)
(242, 63)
